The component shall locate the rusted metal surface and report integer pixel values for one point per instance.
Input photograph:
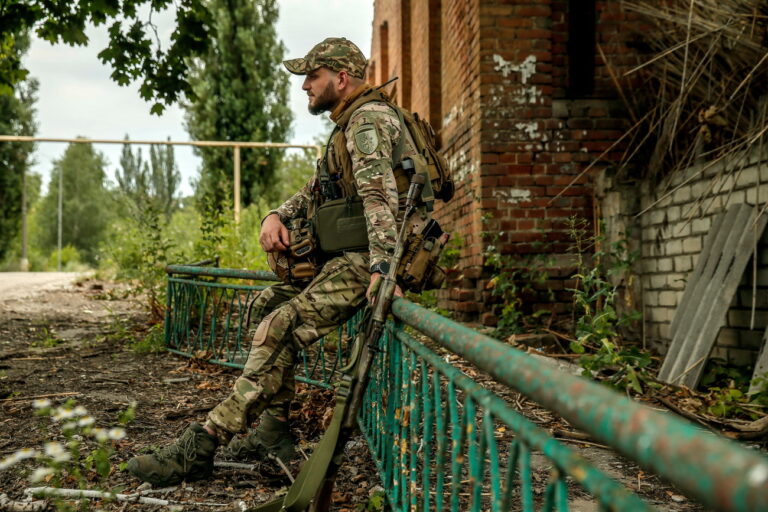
(191, 270)
(713, 470)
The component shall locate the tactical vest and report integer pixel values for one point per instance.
(337, 162)
(417, 143)
(338, 214)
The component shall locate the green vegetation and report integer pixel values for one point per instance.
(241, 95)
(85, 202)
(133, 50)
(17, 117)
(82, 459)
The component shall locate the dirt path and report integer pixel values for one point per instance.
(17, 285)
(76, 339)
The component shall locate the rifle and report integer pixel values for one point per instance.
(314, 485)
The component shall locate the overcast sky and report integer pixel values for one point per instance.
(77, 97)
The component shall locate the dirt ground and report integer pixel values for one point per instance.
(74, 342)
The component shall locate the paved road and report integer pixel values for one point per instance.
(16, 285)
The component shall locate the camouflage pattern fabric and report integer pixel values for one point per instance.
(335, 53)
(372, 134)
(296, 205)
(267, 301)
(330, 299)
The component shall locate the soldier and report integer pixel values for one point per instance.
(357, 162)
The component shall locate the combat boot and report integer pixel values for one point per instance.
(188, 458)
(270, 437)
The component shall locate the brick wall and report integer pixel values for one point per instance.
(673, 231)
(493, 77)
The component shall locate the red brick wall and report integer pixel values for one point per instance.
(512, 136)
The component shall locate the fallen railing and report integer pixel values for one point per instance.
(441, 441)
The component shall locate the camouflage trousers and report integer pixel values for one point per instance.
(294, 319)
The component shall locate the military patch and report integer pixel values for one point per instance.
(367, 139)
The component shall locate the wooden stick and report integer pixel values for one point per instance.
(35, 397)
(9, 505)
(85, 493)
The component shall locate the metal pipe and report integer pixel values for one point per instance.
(258, 275)
(717, 472)
(59, 216)
(237, 184)
(24, 264)
(200, 143)
(611, 494)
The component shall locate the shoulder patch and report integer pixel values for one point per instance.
(367, 139)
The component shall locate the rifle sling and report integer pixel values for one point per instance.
(313, 472)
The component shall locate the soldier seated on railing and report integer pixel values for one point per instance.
(324, 286)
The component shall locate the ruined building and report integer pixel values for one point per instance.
(533, 102)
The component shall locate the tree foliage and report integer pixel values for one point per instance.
(153, 184)
(17, 117)
(241, 94)
(86, 204)
(133, 50)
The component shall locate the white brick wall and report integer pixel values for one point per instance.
(673, 233)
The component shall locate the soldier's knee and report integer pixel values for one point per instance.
(274, 328)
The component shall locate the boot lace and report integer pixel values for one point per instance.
(186, 447)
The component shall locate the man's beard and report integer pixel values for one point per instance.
(326, 101)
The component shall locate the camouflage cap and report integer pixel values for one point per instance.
(336, 53)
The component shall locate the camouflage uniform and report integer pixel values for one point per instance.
(333, 296)
(292, 318)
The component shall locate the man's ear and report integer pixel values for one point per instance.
(343, 77)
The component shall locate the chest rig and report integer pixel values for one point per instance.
(335, 175)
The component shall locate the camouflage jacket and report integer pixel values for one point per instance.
(372, 134)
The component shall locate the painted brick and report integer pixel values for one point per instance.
(701, 225)
(692, 244)
(658, 281)
(674, 247)
(682, 195)
(651, 298)
(665, 264)
(668, 298)
(683, 263)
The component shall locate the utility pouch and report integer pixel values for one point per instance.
(418, 269)
(340, 225)
(296, 265)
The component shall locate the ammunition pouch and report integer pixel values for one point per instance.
(298, 264)
(340, 225)
(418, 269)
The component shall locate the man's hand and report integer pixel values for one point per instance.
(274, 235)
(373, 288)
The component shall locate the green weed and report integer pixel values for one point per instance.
(46, 339)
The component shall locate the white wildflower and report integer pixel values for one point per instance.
(41, 403)
(70, 425)
(13, 459)
(100, 434)
(116, 433)
(26, 453)
(85, 421)
(62, 413)
(57, 452)
(39, 474)
(80, 411)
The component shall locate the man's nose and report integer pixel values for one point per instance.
(305, 85)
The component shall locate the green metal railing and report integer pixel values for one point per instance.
(207, 319)
(442, 441)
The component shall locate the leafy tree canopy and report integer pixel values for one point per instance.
(86, 204)
(152, 184)
(133, 50)
(17, 117)
(241, 94)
